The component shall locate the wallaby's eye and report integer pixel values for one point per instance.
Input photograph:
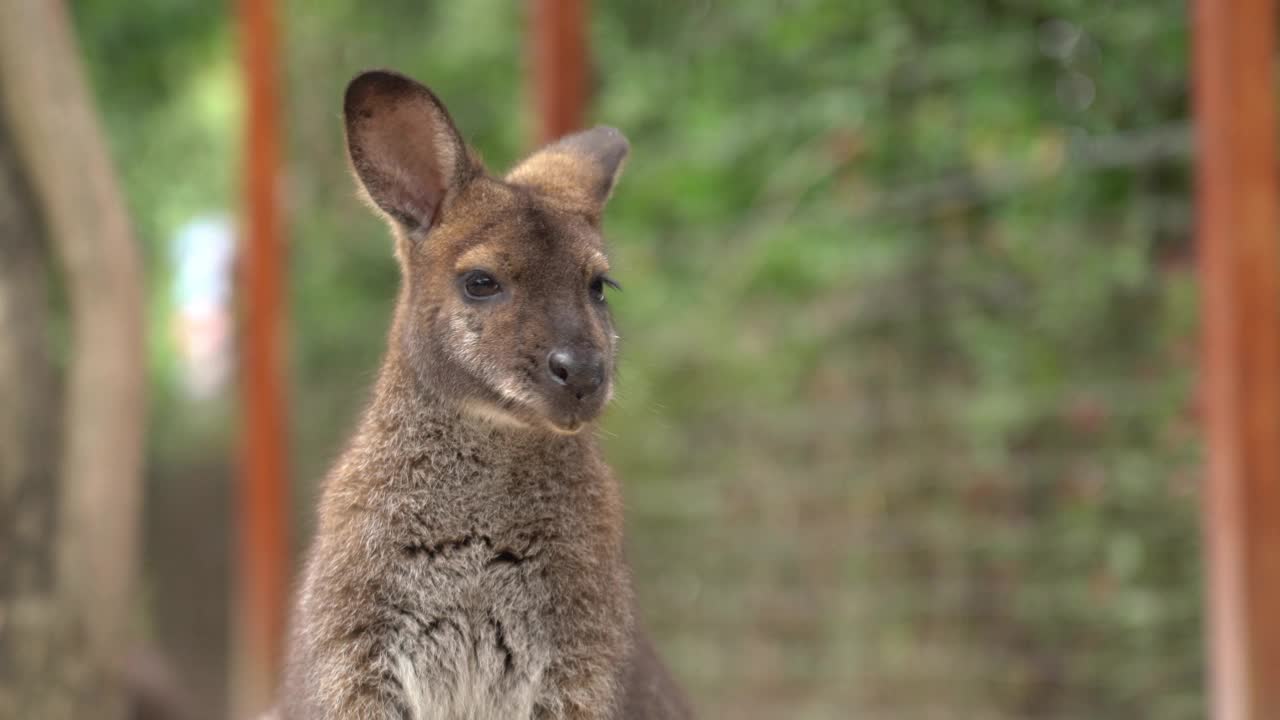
(480, 285)
(597, 287)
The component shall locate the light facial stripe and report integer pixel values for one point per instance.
(480, 256)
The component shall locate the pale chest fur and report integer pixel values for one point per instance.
(477, 645)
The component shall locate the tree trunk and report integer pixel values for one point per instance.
(36, 630)
(68, 601)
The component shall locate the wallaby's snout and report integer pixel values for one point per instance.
(580, 373)
(577, 385)
(577, 346)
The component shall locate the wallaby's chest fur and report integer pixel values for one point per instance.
(468, 559)
(469, 568)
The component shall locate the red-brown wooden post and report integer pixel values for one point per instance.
(1234, 51)
(558, 45)
(262, 567)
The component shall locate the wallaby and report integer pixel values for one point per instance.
(468, 562)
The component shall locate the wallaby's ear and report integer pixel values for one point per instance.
(403, 146)
(580, 169)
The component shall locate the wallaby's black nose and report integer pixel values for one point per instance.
(579, 373)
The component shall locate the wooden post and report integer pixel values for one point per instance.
(1234, 52)
(262, 547)
(558, 47)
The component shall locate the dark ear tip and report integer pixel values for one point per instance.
(615, 138)
(373, 85)
(606, 143)
(611, 136)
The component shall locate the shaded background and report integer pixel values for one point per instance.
(905, 418)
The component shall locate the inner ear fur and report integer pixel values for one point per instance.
(404, 149)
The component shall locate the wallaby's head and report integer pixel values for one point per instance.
(502, 308)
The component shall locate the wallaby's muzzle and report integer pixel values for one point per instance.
(577, 387)
(579, 374)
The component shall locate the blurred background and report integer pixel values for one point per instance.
(906, 420)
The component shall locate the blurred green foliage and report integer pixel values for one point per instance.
(904, 417)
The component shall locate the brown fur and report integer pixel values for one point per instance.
(468, 562)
